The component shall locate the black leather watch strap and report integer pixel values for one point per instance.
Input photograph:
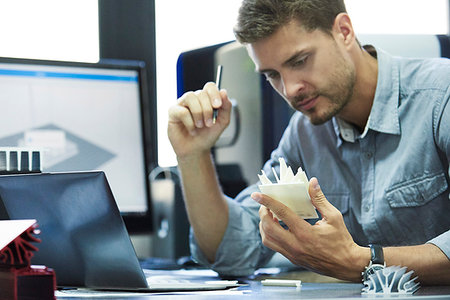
(376, 254)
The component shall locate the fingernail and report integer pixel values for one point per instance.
(315, 184)
(256, 197)
(217, 102)
(209, 122)
(199, 124)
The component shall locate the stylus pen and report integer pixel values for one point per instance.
(218, 79)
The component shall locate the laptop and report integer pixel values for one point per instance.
(83, 236)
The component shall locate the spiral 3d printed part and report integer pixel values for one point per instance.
(391, 280)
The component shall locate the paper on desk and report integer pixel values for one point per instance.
(96, 294)
(290, 189)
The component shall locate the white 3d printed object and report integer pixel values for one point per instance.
(391, 280)
(290, 189)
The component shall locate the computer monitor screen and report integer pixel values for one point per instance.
(82, 117)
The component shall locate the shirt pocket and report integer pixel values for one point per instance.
(416, 192)
(339, 200)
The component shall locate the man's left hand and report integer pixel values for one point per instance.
(325, 247)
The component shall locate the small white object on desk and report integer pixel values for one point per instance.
(282, 282)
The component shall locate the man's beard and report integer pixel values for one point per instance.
(338, 93)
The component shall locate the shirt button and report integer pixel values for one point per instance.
(368, 155)
(367, 208)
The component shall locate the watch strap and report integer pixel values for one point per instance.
(376, 254)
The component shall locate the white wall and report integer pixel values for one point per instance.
(49, 29)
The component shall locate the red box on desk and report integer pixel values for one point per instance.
(34, 282)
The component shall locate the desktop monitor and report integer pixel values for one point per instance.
(85, 116)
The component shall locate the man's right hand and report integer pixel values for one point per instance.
(191, 130)
(192, 134)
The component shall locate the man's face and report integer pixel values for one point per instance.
(309, 69)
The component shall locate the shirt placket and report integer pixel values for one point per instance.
(368, 213)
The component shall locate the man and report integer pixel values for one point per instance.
(374, 129)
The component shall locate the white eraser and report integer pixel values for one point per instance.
(281, 282)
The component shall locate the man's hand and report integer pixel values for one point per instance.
(192, 134)
(191, 129)
(325, 247)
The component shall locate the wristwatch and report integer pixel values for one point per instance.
(376, 261)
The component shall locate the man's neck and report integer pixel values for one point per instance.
(358, 109)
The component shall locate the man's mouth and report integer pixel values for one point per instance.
(307, 104)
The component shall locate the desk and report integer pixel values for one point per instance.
(323, 288)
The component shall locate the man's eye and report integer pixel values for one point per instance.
(271, 75)
(300, 62)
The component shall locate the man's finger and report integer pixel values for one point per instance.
(224, 112)
(272, 234)
(205, 103)
(319, 200)
(214, 94)
(181, 114)
(283, 212)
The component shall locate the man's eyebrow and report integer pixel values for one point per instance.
(262, 71)
(288, 61)
(294, 57)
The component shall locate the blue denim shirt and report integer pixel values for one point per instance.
(391, 183)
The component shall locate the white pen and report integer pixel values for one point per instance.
(218, 79)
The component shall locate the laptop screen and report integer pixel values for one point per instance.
(83, 236)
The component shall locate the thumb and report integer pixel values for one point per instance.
(224, 108)
(226, 102)
(318, 198)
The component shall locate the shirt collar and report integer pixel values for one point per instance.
(347, 131)
(384, 113)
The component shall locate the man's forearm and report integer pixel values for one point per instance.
(206, 206)
(428, 262)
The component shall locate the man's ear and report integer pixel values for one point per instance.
(343, 28)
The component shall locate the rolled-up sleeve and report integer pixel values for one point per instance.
(442, 242)
(442, 133)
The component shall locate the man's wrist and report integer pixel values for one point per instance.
(376, 261)
(194, 158)
(359, 261)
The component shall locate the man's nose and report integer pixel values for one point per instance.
(292, 85)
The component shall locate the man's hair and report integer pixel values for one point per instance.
(259, 19)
